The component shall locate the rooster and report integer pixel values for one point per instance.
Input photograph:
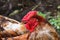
(32, 27)
(39, 28)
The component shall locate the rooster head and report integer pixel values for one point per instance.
(32, 19)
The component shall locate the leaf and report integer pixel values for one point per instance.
(14, 13)
(58, 7)
(41, 14)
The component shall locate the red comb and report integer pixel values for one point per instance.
(29, 15)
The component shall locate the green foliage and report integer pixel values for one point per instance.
(55, 23)
(41, 14)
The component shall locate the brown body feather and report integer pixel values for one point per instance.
(44, 31)
(10, 27)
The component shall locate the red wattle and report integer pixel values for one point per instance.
(31, 24)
